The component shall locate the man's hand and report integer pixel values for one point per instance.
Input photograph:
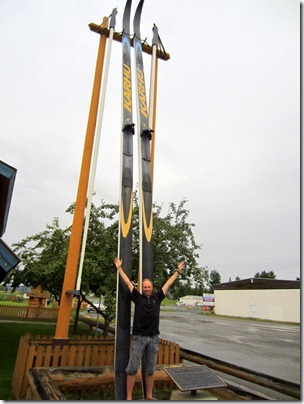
(118, 262)
(173, 277)
(180, 266)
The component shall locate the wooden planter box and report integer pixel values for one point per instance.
(87, 351)
(77, 383)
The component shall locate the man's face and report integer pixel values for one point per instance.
(147, 288)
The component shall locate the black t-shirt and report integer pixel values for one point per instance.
(146, 315)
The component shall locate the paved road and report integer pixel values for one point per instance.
(270, 348)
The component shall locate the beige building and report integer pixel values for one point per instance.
(267, 299)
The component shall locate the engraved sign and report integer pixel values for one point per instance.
(194, 377)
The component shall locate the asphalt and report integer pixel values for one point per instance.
(266, 347)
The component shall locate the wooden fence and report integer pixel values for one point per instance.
(85, 351)
(27, 313)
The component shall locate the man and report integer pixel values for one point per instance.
(145, 326)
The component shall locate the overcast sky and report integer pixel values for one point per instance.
(228, 120)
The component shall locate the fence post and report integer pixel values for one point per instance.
(20, 365)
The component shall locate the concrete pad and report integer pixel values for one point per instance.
(178, 395)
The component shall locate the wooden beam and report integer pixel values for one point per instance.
(69, 281)
(118, 37)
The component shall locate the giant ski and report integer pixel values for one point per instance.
(144, 139)
(145, 170)
(123, 302)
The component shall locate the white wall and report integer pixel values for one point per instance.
(267, 304)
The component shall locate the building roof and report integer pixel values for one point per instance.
(7, 180)
(258, 283)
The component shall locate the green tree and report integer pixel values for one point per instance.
(201, 280)
(265, 274)
(43, 258)
(43, 255)
(214, 278)
(182, 289)
(173, 241)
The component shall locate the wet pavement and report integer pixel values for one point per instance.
(266, 347)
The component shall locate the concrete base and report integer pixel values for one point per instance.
(178, 395)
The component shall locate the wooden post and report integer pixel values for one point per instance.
(69, 282)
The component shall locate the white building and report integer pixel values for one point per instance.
(207, 299)
(190, 300)
(261, 298)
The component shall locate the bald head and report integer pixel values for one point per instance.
(147, 287)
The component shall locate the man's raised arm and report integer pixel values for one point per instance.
(173, 277)
(123, 275)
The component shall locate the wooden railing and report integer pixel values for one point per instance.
(27, 313)
(85, 351)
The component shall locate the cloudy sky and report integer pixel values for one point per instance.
(228, 120)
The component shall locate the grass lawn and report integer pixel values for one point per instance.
(168, 302)
(11, 303)
(9, 341)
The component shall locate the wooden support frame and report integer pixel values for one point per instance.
(64, 314)
(118, 37)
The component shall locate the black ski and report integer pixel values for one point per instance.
(123, 302)
(152, 95)
(145, 180)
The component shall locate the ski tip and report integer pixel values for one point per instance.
(126, 17)
(137, 18)
(113, 18)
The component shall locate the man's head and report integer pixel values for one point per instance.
(147, 287)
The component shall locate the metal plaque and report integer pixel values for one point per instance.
(194, 377)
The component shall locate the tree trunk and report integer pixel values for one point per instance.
(106, 328)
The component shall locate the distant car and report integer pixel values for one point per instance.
(180, 304)
(199, 304)
(95, 305)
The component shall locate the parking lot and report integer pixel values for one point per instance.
(266, 347)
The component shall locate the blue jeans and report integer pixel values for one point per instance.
(141, 343)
